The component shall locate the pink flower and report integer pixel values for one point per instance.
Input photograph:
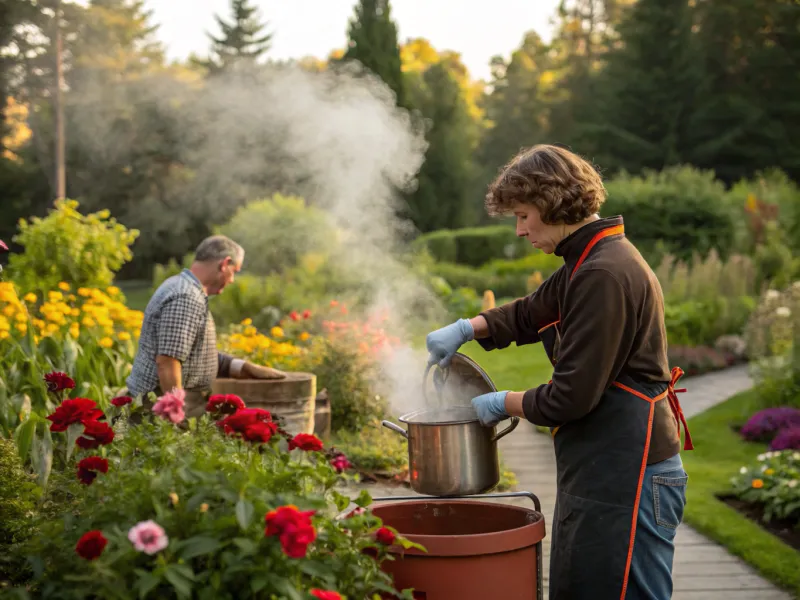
(340, 463)
(3, 246)
(148, 537)
(170, 406)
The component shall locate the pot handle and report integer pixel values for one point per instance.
(397, 428)
(506, 431)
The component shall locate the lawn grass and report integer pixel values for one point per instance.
(718, 455)
(516, 368)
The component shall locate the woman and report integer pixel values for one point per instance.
(611, 403)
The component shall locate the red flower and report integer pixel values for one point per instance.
(3, 246)
(305, 441)
(121, 401)
(57, 381)
(259, 432)
(89, 467)
(293, 527)
(75, 410)
(340, 463)
(385, 536)
(91, 544)
(238, 421)
(224, 403)
(294, 316)
(325, 595)
(306, 314)
(95, 434)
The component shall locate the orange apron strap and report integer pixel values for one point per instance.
(616, 230)
(672, 394)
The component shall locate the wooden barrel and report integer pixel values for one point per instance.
(293, 398)
(322, 416)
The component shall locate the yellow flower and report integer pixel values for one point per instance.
(304, 336)
(769, 472)
(21, 317)
(112, 290)
(75, 330)
(22, 327)
(276, 332)
(4, 324)
(3, 335)
(9, 310)
(247, 322)
(63, 286)
(55, 296)
(51, 328)
(173, 498)
(203, 507)
(88, 322)
(30, 297)
(106, 342)
(250, 331)
(124, 336)
(84, 292)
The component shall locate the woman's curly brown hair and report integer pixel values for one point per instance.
(562, 185)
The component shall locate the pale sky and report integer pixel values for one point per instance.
(478, 29)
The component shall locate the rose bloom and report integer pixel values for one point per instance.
(148, 537)
(340, 463)
(259, 432)
(238, 421)
(170, 406)
(121, 401)
(57, 381)
(3, 246)
(91, 544)
(224, 403)
(293, 527)
(95, 434)
(325, 595)
(305, 441)
(385, 536)
(73, 411)
(89, 467)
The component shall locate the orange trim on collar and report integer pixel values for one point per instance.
(615, 230)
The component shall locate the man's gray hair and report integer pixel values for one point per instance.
(218, 247)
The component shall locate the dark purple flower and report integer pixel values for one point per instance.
(788, 438)
(763, 425)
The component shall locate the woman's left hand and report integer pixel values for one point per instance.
(491, 408)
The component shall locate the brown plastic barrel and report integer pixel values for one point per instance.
(475, 550)
(292, 398)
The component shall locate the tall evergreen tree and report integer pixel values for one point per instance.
(243, 40)
(648, 89)
(372, 40)
(441, 199)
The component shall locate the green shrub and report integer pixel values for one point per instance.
(702, 322)
(84, 250)
(474, 246)
(210, 494)
(18, 494)
(546, 264)
(771, 484)
(374, 449)
(683, 208)
(277, 232)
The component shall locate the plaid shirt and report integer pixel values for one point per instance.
(177, 323)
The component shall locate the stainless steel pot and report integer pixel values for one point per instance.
(449, 452)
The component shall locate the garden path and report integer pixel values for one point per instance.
(703, 569)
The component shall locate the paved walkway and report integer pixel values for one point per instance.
(703, 570)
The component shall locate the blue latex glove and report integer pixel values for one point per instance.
(444, 343)
(491, 408)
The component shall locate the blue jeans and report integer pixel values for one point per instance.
(660, 512)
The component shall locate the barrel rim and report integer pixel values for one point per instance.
(475, 544)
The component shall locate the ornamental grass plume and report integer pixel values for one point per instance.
(170, 405)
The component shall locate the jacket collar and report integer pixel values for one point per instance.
(572, 246)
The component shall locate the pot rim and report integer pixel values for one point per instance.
(406, 418)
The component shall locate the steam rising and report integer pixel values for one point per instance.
(335, 138)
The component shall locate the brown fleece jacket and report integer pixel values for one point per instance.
(612, 323)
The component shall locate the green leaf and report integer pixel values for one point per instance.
(284, 586)
(340, 500)
(244, 513)
(146, 583)
(42, 456)
(406, 543)
(316, 569)
(246, 545)
(70, 354)
(23, 436)
(364, 499)
(182, 586)
(74, 431)
(258, 583)
(197, 546)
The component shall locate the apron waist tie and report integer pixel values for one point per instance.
(675, 405)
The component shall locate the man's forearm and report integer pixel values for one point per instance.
(480, 326)
(170, 375)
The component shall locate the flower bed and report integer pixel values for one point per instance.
(225, 506)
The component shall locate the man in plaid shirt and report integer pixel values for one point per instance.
(178, 342)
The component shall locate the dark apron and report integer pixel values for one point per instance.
(600, 461)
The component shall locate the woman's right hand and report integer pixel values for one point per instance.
(443, 343)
